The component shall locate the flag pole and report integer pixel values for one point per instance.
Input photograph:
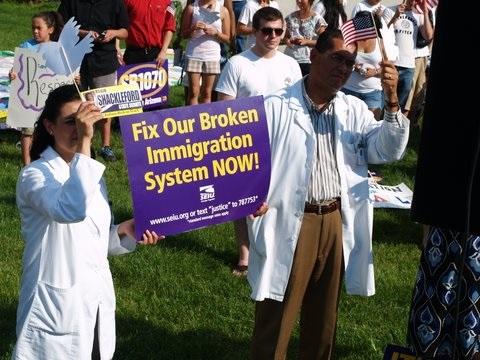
(380, 39)
(71, 72)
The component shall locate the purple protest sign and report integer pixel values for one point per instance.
(197, 166)
(153, 82)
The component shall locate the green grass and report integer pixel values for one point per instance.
(178, 300)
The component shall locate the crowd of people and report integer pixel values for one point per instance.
(332, 108)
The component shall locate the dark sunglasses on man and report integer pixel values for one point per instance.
(269, 31)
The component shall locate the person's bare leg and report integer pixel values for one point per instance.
(106, 128)
(207, 87)
(193, 88)
(241, 237)
(26, 142)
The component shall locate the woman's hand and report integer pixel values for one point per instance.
(85, 118)
(262, 210)
(200, 25)
(210, 30)
(148, 237)
(12, 75)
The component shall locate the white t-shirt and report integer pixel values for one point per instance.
(247, 74)
(246, 16)
(406, 28)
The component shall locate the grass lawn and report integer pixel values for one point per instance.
(178, 300)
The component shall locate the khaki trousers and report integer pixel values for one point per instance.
(313, 288)
(419, 80)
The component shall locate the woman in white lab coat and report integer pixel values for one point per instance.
(67, 303)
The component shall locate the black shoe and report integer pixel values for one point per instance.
(107, 153)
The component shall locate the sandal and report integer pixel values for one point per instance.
(240, 270)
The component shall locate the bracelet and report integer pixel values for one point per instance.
(392, 104)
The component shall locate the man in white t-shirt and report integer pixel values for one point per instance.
(261, 70)
(244, 21)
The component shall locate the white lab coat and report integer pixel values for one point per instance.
(358, 138)
(66, 278)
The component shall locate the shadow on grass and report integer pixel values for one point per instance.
(199, 241)
(394, 226)
(352, 352)
(194, 242)
(7, 327)
(8, 200)
(139, 339)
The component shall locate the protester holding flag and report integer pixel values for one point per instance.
(46, 26)
(67, 303)
(319, 223)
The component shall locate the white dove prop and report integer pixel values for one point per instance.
(65, 56)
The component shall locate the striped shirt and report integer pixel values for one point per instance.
(325, 179)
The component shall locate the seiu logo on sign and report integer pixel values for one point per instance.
(207, 193)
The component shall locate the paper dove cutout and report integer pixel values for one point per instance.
(209, 16)
(65, 56)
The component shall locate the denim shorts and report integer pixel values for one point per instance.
(373, 99)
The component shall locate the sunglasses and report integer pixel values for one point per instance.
(339, 60)
(269, 31)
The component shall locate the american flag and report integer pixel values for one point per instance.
(358, 28)
(171, 9)
(430, 4)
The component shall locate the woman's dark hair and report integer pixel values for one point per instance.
(56, 99)
(333, 10)
(376, 18)
(54, 20)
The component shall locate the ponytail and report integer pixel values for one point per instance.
(56, 99)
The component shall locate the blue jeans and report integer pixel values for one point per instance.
(373, 99)
(405, 82)
(240, 40)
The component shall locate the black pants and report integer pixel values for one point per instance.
(139, 55)
(96, 344)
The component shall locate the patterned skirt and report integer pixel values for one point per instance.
(441, 289)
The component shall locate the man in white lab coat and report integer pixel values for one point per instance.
(319, 224)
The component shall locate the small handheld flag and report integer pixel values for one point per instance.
(430, 5)
(358, 28)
